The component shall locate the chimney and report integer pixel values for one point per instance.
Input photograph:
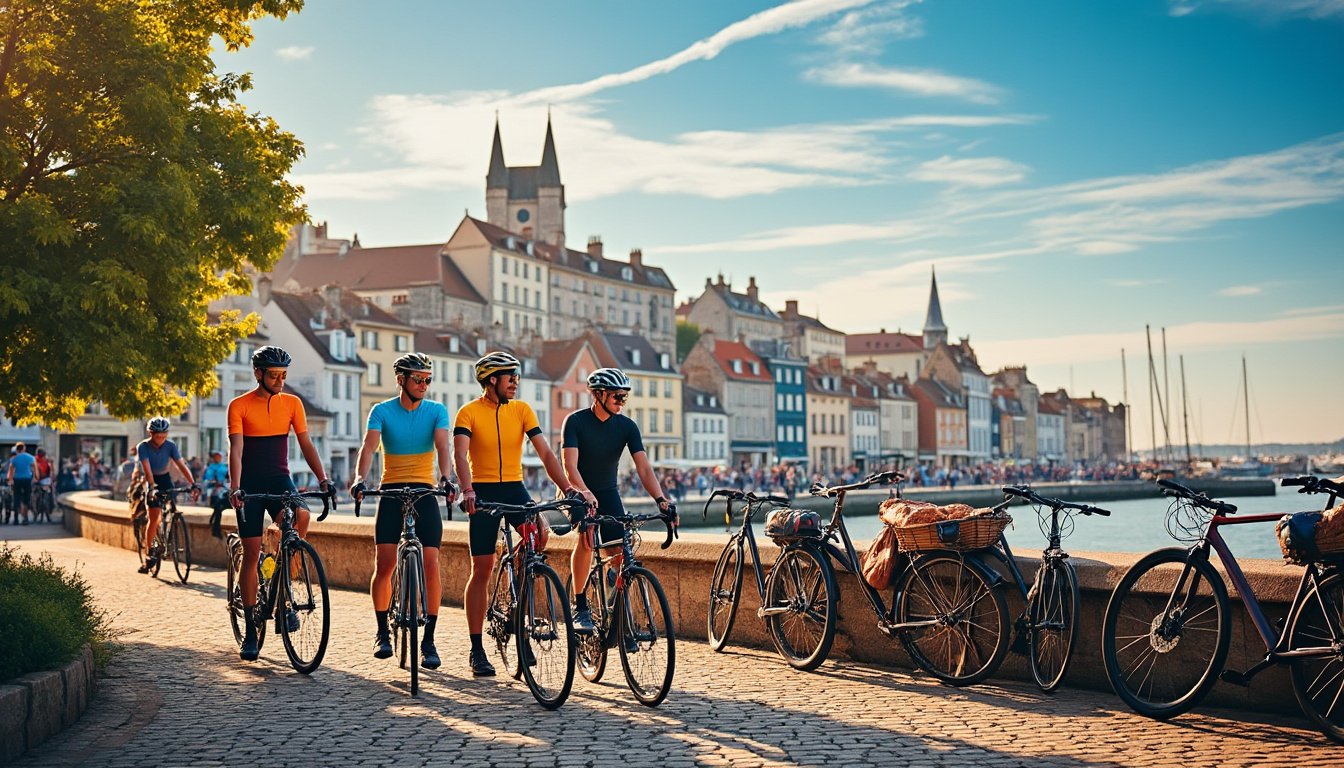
(264, 290)
(720, 280)
(595, 246)
(331, 295)
(355, 243)
(708, 338)
(791, 308)
(636, 257)
(751, 288)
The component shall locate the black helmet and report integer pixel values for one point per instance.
(413, 361)
(158, 424)
(270, 357)
(496, 362)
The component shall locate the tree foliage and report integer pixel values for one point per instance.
(134, 190)
(688, 334)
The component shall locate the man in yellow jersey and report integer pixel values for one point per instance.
(488, 436)
(259, 424)
(413, 432)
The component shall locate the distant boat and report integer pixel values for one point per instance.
(1242, 466)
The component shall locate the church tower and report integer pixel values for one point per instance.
(529, 200)
(934, 329)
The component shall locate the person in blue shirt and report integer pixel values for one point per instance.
(19, 475)
(216, 480)
(156, 454)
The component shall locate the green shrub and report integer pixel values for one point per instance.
(46, 615)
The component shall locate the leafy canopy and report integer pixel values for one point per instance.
(688, 334)
(134, 190)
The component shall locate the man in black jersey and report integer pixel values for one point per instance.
(593, 441)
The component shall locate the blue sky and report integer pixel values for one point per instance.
(1074, 171)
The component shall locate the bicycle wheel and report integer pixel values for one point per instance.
(1318, 682)
(966, 634)
(304, 591)
(1052, 618)
(138, 526)
(545, 635)
(648, 646)
(725, 590)
(1166, 632)
(800, 599)
(235, 591)
(499, 615)
(157, 547)
(179, 547)
(592, 648)
(406, 614)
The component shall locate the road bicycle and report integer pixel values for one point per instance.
(1168, 624)
(528, 614)
(291, 585)
(725, 586)
(44, 501)
(171, 540)
(944, 607)
(630, 610)
(1047, 629)
(408, 609)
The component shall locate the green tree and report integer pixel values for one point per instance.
(688, 334)
(134, 190)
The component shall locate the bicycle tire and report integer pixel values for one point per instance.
(969, 634)
(645, 615)
(179, 546)
(592, 647)
(725, 592)
(1138, 616)
(304, 592)
(157, 547)
(499, 616)
(408, 617)
(233, 585)
(1052, 621)
(138, 523)
(1318, 683)
(801, 602)
(545, 635)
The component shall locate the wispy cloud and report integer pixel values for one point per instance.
(295, 52)
(1311, 9)
(866, 30)
(1234, 291)
(915, 82)
(970, 171)
(806, 237)
(1131, 283)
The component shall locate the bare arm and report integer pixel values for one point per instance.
(442, 446)
(185, 470)
(461, 444)
(550, 462)
(371, 439)
(235, 461)
(575, 479)
(647, 478)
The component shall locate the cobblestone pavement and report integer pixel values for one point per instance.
(178, 695)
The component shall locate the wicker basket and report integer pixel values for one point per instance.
(974, 532)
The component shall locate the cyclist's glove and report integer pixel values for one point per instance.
(357, 490)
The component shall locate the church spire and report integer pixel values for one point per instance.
(498, 175)
(934, 329)
(549, 173)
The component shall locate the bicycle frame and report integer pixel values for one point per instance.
(628, 523)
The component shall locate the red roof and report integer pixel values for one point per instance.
(882, 343)
(725, 352)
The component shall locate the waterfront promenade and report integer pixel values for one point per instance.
(177, 694)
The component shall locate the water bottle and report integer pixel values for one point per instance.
(267, 566)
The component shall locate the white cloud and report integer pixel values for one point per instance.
(864, 31)
(1105, 248)
(1239, 290)
(1311, 9)
(1131, 283)
(295, 52)
(804, 237)
(916, 82)
(970, 171)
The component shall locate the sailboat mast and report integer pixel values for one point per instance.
(1129, 422)
(1166, 395)
(1246, 389)
(1185, 416)
(1152, 412)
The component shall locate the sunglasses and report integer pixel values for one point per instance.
(274, 375)
(619, 397)
(422, 381)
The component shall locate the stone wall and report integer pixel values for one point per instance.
(35, 707)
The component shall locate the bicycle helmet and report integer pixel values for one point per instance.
(158, 424)
(496, 362)
(270, 357)
(414, 361)
(608, 378)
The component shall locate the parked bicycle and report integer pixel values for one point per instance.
(291, 586)
(944, 608)
(171, 540)
(725, 586)
(407, 611)
(1047, 629)
(1168, 624)
(528, 613)
(630, 610)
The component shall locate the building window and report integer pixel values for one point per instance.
(504, 264)
(369, 339)
(400, 298)
(375, 374)
(667, 420)
(401, 342)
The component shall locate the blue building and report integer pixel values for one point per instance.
(789, 373)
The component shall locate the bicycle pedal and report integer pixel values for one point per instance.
(1235, 678)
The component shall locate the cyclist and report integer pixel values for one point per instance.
(488, 436)
(156, 454)
(259, 425)
(19, 475)
(592, 444)
(216, 481)
(413, 432)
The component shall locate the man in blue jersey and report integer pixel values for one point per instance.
(216, 481)
(156, 454)
(413, 432)
(19, 475)
(594, 439)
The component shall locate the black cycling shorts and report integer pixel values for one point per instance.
(162, 482)
(609, 503)
(485, 528)
(23, 493)
(251, 525)
(428, 519)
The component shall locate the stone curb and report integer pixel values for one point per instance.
(37, 706)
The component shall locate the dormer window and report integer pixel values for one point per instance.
(593, 267)
(700, 400)
(737, 366)
(627, 273)
(755, 368)
(452, 344)
(634, 357)
(665, 361)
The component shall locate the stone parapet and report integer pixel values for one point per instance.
(35, 707)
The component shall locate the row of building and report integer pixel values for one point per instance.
(758, 387)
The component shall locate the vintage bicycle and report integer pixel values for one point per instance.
(407, 611)
(291, 585)
(630, 610)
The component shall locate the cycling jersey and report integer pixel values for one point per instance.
(159, 458)
(22, 465)
(497, 432)
(264, 422)
(600, 444)
(216, 473)
(408, 439)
